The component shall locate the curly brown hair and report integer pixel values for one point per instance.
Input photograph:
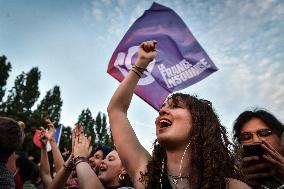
(212, 161)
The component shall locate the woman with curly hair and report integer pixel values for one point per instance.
(192, 149)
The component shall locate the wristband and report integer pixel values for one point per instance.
(136, 72)
(69, 165)
(139, 68)
(79, 159)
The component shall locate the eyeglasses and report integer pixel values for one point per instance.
(260, 133)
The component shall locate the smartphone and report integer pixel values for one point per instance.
(252, 150)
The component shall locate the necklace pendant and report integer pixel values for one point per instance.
(175, 181)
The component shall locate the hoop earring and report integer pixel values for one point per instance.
(121, 177)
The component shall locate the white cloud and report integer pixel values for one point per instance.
(122, 2)
(106, 2)
(98, 13)
(242, 37)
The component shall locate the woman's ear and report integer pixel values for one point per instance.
(123, 171)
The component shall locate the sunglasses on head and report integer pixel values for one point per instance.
(260, 133)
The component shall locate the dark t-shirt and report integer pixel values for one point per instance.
(6, 178)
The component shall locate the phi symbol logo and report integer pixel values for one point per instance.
(126, 60)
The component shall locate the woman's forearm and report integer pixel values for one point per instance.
(44, 168)
(57, 157)
(121, 99)
(62, 175)
(87, 177)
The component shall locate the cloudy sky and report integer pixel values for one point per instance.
(72, 41)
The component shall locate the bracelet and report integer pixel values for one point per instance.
(139, 71)
(79, 159)
(70, 165)
(136, 73)
(139, 68)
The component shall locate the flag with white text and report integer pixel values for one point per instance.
(180, 60)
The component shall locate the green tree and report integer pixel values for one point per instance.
(31, 90)
(5, 68)
(66, 139)
(88, 122)
(102, 131)
(23, 95)
(97, 128)
(50, 106)
(21, 100)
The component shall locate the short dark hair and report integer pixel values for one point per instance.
(105, 149)
(10, 138)
(267, 118)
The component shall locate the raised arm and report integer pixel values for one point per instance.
(44, 168)
(56, 154)
(85, 174)
(63, 174)
(131, 152)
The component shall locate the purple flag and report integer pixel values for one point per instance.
(180, 61)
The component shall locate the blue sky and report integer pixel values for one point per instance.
(72, 41)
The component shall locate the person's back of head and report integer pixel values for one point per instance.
(267, 118)
(10, 137)
(28, 170)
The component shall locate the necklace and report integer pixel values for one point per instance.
(177, 178)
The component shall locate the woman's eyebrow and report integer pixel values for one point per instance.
(163, 105)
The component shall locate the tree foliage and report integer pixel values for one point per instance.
(88, 123)
(5, 68)
(23, 95)
(97, 128)
(102, 131)
(21, 100)
(50, 107)
(22, 104)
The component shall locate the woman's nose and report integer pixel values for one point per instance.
(164, 110)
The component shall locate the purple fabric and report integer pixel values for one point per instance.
(180, 61)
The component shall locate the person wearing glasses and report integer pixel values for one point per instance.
(263, 128)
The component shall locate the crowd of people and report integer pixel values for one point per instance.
(192, 149)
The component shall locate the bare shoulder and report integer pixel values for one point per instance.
(236, 184)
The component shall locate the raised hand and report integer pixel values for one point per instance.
(50, 133)
(43, 139)
(146, 53)
(254, 170)
(82, 146)
(76, 133)
(275, 158)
